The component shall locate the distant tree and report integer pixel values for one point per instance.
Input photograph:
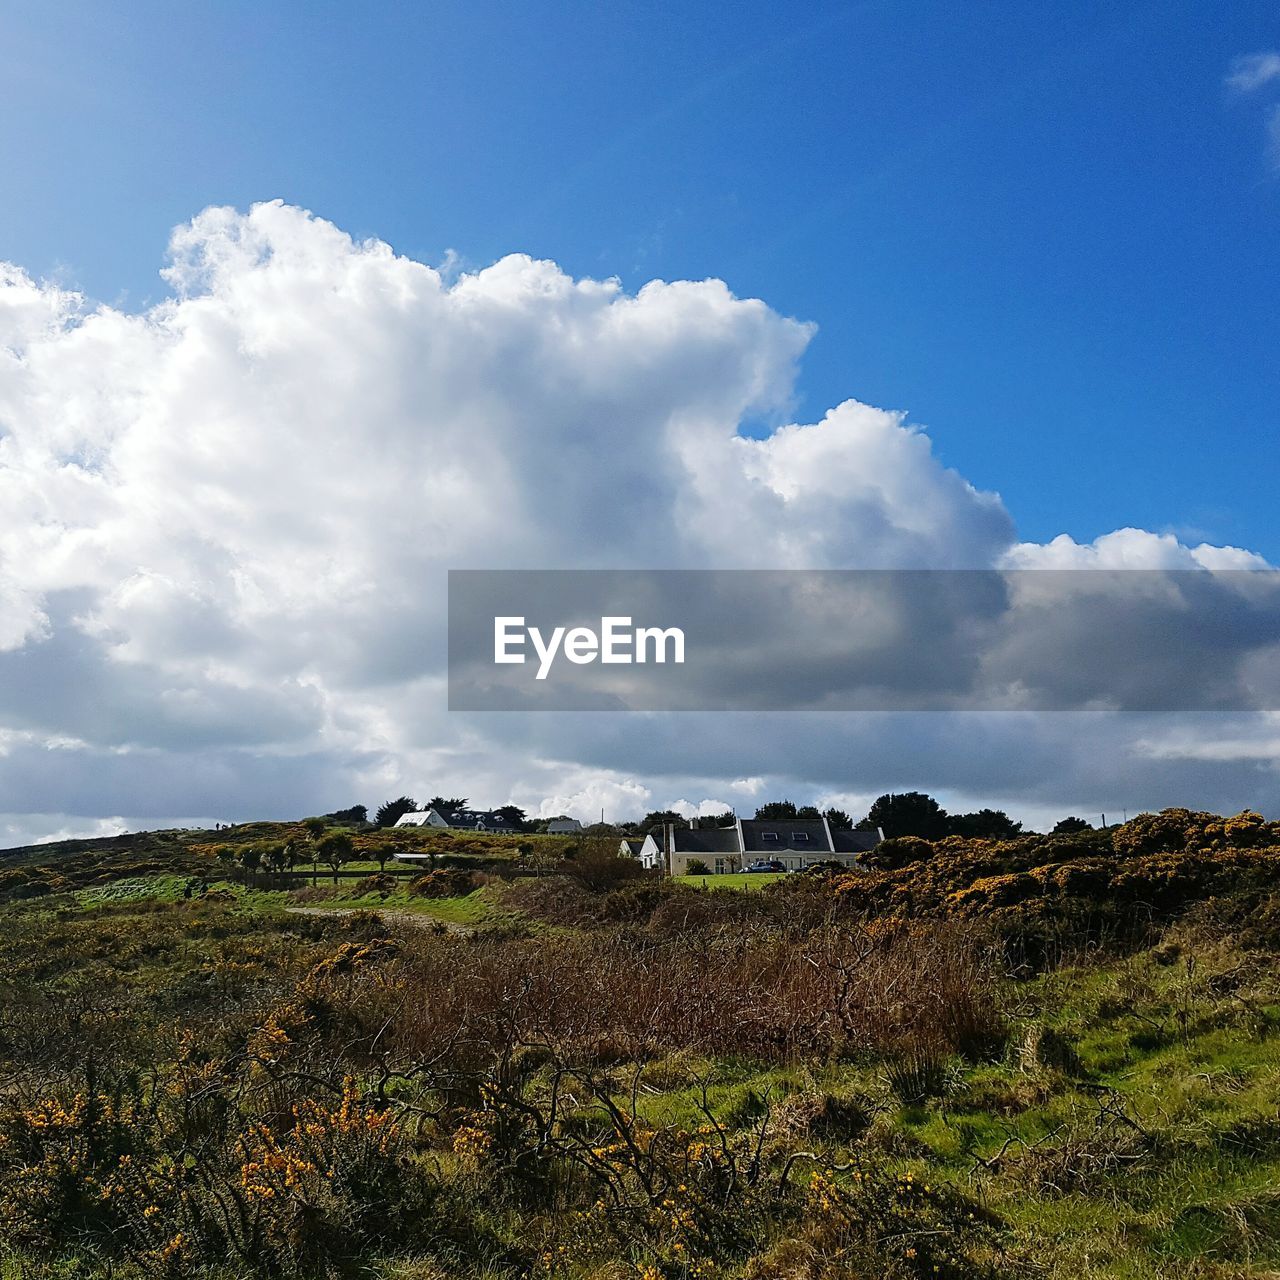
(659, 818)
(1069, 826)
(809, 812)
(250, 861)
(315, 828)
(358, 813)
(274, 857)
(710, 821)
(447, 804)
(296, 852)
(985, 824)
(838, 820)
(336, 847)
(513, 816)
(910, 813)
(776, 811)
(390, 812)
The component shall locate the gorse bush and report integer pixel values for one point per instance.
(627, 1077)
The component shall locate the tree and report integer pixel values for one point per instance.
(1069, 826)
(357, 814)
(985, 824)
(711, 821)
(838, 820)
(447, 804)
(696, 867)
(275, 857)
(295, 854)
(250, 860)
(390, 812)
(513, 816)
(660, 818)
(910, 813)
(776, 811)
(315, 828)
(809, 812)
(336, 847)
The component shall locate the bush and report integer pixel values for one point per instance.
(448, 883)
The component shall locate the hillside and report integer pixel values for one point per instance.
(1054, 1056)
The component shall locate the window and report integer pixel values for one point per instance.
(769, 835)
(801, 837)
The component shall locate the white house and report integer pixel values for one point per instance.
(421, 818)
(563, 827)
(796, 843)
(459, 820)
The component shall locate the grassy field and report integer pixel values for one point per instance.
(621, 1079)
(739, 880)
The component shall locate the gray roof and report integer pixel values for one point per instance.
(713, 840)
(804, 835)
(634, 843)
(471, 819)
(855, 841)
(795, 835)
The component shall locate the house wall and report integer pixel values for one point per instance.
(725, 863)
(716, 863)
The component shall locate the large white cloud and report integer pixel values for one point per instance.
(225, 522)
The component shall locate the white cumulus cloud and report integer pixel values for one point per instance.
(225, 521)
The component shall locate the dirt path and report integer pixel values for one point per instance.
(414, 919)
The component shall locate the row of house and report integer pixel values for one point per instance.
(796, 843)
(479, 820)
(458, 819)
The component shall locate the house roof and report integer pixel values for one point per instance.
(470, 819)
(634, 843)
(712, 840)
(805, 835)
(855, 841)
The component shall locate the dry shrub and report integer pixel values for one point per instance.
(1086, 1154)
(918, 1073)
(1045, 1049)
(376, 884)
(893, 1228)
(448, 883)
(838, 1118)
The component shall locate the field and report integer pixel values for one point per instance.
(1051, 1057)
(738, 880)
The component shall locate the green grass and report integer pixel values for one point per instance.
(738, 880)
(1155, 1156)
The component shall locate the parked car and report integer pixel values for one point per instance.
(765, 864)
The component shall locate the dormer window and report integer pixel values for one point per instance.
(800, 836)
(769, 835)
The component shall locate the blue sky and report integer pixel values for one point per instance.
(1047, 231)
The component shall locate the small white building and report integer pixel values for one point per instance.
(421, 818)
(462, 820)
